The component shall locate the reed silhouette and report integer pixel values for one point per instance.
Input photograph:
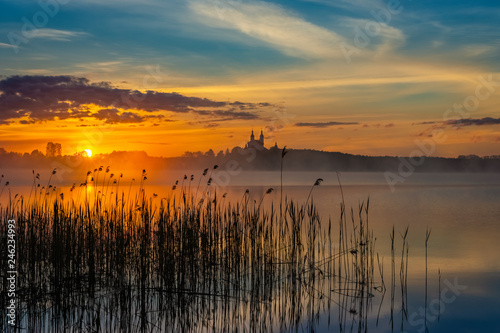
(98, 259)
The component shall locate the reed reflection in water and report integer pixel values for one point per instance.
(102, 259)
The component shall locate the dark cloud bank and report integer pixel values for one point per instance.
(325, 124)
(474, 122)
(42, 98)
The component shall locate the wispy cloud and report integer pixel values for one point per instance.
(33, 71)
(350, 4)
(386, 38)
(325, 124)
(5, 45)
(103, 66)
(476, 50)
(271, 24)
(99, 64)
(227, 114)
(58, 35)
(426, 123)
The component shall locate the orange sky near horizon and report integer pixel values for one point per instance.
(366, 132)
(172, 139)
(372, 132)
(210, 72)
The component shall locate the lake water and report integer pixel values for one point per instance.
(461, 210)
(463, 213)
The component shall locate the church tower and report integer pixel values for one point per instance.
(258, 144)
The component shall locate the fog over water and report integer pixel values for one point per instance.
(461, 209)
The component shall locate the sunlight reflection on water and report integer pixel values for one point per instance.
(462, 211)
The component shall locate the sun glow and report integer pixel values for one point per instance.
(88, 152)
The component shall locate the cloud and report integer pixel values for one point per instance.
(113, 116)
(458, 124)
(43, 98)
(351, 4)
(424, 134)
(227, 114)
(271, 24)
(385, 38)
(58, 35)
(474, 122)
(426, 123)
(476, 50)
(5, 45)
(325, 124)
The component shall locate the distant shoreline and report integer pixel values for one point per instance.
(251, 159)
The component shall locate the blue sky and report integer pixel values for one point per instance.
(142, 30)
(409, 68)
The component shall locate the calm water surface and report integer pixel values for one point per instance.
(462, 211)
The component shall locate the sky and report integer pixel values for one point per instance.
(363, 77)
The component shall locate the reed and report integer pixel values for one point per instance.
(110, 260)
(427, 236)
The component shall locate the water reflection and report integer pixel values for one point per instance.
(248, 272)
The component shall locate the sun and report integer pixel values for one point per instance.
(88, 152)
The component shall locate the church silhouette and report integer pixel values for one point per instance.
(256, 143)
(259, 144)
